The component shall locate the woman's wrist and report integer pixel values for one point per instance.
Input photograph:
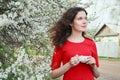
(70, 65)
(93, 65)
(94, 68)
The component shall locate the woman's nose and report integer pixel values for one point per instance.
(84, 21)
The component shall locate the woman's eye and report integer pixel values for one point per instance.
(80, 18)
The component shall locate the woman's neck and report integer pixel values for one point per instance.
(76, 37)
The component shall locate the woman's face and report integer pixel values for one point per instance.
(79, 23)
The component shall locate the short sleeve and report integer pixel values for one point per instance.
(56, 58)
(95, 54)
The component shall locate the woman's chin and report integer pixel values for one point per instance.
(83, 30)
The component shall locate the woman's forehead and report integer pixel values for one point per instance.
(81, 14)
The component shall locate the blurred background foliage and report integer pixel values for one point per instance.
(24, 42)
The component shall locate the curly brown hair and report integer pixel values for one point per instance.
(62, 29)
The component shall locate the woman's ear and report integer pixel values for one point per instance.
(71, 24)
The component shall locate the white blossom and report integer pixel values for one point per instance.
(17, 3)
(39, 15)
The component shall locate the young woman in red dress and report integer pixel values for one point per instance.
(68, 37)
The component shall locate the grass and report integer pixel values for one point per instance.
(109, 58)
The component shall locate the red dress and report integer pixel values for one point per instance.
(63, 55)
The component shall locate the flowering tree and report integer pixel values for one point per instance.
(23, 19)
(24, 23)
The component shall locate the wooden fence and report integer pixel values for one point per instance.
(108, 49)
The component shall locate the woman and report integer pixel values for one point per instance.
(70, 44)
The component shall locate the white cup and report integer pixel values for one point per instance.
(83, 59)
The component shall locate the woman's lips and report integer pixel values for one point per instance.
(84, 26)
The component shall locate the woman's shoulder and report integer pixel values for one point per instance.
(90, 40)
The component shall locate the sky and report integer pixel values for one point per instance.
(105, 11)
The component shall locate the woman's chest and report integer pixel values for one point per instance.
(70, 51)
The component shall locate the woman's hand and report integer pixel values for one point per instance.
(91, 61)
(74, 61)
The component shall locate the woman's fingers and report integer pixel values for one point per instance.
(90, 60)
(74, 60)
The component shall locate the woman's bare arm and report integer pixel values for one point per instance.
(60, 71)
(92, 63)
(95, 71)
